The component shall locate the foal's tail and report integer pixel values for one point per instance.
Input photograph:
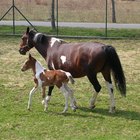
(70, 77)
(118, 74)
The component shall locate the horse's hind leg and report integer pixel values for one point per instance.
(107, 77)
(93, 79)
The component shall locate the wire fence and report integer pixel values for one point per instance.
(81, 11)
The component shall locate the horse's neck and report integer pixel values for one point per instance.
(52, 42)
(38, 68)
(42, 49)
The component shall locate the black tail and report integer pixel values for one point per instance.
(114, 62)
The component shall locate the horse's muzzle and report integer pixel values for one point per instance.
(22, 51)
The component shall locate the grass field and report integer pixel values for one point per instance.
(16, 123)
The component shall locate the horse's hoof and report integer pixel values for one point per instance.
(112, 110)
(92, 107)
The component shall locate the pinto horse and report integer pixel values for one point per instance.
(43, 78)
(80, 59)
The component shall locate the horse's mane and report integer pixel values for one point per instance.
(38, 38)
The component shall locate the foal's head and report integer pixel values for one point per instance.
(29, 63)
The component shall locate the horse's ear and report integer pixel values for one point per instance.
(27, 31)
(30, 56)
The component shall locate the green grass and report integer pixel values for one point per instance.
(118, 33)
(16, 123)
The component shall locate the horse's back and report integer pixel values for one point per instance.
(77, 57)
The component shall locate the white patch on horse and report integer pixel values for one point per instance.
(38, 69)
(36, 36)
(63, 59)
(55, 41)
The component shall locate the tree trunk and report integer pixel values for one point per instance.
(53, 14)
(113, 11)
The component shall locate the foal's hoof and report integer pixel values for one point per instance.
(28, 109)
(64, 111)
(92, 107)
(112, 110)
(45, 109)
(74, 109)
(43, 102)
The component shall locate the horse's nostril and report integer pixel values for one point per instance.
(22, 52)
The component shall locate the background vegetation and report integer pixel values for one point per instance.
(16, 123)
(127, 11)
(112, 33)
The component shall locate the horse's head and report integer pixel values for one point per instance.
(29, 63)
(27, 41)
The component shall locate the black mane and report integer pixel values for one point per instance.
(38, 38)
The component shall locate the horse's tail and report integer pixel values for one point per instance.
(116, 67)
(70, 77)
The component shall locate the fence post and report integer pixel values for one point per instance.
(57, 16)
(13, 16)
(106, 16)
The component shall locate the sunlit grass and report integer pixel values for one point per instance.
(16, 123)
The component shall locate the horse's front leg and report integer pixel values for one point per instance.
(30, 96)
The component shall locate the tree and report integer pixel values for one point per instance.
(113, 11)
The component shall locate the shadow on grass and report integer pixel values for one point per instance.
(132, 115)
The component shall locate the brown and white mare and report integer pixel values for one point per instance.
(80, 59)
(43, 78)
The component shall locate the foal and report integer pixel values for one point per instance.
(43, 78)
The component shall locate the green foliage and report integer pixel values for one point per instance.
(17, 123)
(65, 31)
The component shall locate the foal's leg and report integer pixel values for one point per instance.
(66, 95)
(73, 100)
(93, 79)
(107, 77)
(30, 96)
(44, 101)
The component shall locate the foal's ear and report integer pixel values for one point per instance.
(27, 30)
